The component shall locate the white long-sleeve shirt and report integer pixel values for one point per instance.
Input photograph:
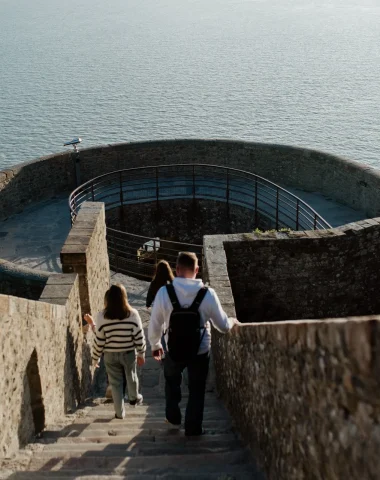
(186, 290)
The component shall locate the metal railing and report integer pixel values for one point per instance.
(136, 255)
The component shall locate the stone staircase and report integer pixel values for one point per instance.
(96, 446)
(141, 447)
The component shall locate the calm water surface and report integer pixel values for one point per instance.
(298, 72)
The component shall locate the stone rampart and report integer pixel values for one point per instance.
(29, 182)
(304, 394)
(45, 367)
(85, 253)
(21, 281)
(343, 180)
(46, 361)
(318, 274)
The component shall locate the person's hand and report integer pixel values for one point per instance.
(90, 321)
(140, 361)
(95, 363)
(157, 354)
(88, 318)
(235, 324)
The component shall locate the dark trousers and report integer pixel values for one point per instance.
(197, 369)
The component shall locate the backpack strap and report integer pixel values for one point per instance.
(198, 299)
(173, 296)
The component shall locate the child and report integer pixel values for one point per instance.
(119, 334)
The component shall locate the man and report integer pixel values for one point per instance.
(187, 289)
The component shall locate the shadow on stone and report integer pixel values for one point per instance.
(32, 421)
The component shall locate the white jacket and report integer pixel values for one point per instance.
(186, 290)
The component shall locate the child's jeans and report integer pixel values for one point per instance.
(116, 364)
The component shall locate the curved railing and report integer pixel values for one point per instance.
(136, 254)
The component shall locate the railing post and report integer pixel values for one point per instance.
(256, 195)
(92, 191)
(277, 205)
(228, 188)
(193, 182)
(116, 259)
(297, 214)
(121, 188)
(157, 187)
(155, 252)
(73, 217)
(315, 221)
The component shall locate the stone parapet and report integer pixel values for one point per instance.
(85, 253)
(312, 274)
(46, 366)
(21, 281)
(25, 183)
(46, 369)
(304, 394)
(345, 181)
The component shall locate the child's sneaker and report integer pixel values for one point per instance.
(137, 402)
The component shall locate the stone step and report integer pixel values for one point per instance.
(123, 439)
(154, 408)
(48, 461)
(123, 429)
(109, 421)
(159, 402)
(152, 395)
(137, 413)
(142, 448)
(238, 472)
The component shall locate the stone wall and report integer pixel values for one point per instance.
(46, 361)
(184, 220)
(21, 281)
(85, 253)
(29, 182)
(45, 367)
(283, 276)
(304, 394)
(343, 180)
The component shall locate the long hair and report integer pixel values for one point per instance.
(116, 303)
(163, 273)
(162, 276)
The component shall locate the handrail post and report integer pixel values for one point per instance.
(297, 214)
(155, 252)
(228, 188)
(121, 188)
(193, 182)
(228, 201)
(75, 209)
(277, 206)
(315, 221)
(256, 196)
(92, 191)
(157, 187)
(113, 242)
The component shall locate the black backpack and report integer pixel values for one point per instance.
(185, 327)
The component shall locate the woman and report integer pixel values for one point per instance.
(163, 276)
(119, 334)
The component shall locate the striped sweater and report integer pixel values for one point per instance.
(118, 335)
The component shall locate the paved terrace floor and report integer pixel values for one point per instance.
(35, 237)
